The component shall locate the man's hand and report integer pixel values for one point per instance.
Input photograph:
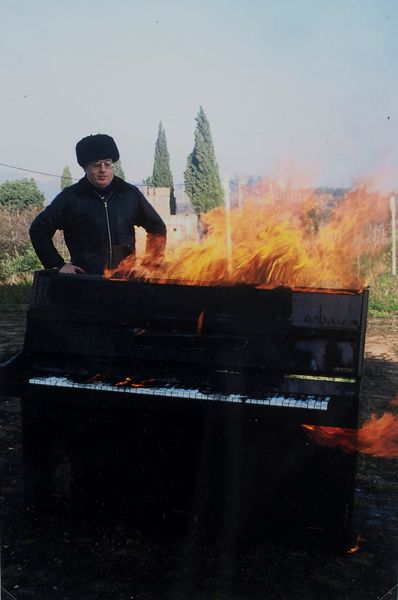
(71, 269)
(141, 272)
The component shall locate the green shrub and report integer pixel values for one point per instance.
(383, 297)
(17, 269)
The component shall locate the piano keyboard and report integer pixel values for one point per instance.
(311, 402)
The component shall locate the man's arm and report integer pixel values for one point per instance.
(155, 248)
(41, 233)
(155, 227)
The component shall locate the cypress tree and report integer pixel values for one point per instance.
(118, 170)
(201, 177)
(66, 178)
(161, 175)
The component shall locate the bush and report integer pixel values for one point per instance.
(21, 193)
(14, 229)
(19, 269)
(383, 297)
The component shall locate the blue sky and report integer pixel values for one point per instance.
(308, 82)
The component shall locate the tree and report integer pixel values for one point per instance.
(21, 193)
(148, 181)
(201, 177)
(66, 179)
(118, 170)
(161, 175)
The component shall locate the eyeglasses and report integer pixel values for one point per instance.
(107, 164)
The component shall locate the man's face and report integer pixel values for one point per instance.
(100, 172)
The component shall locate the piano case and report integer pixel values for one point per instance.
(159, 401)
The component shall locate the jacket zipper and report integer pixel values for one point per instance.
(108, 229)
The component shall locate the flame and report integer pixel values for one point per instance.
(125, 381)
(96, 377)
(356, 547)
(378, 436)
(129, 382)
(280, 236)
(201, 319)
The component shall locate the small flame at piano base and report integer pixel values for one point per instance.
(357, 545)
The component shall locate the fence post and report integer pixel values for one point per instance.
(393, 236)
(227, 201)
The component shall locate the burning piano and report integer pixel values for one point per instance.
(169, 397)
(189, 394)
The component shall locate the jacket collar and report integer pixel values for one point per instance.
(117, 184)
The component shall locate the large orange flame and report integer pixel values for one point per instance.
(280, 237)
(378, 436)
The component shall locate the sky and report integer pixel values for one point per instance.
(288, 86)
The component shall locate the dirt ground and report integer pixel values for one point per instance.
(54, 558)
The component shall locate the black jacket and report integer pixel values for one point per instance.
(98, 226)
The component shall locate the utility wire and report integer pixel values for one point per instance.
(142, 185)
(31, 171)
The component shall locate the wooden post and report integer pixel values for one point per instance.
(393, 236)
(240, 194)
(227, 201)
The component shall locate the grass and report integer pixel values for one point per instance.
(13, 294)
(383, 297)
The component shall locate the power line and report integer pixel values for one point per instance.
(141, 185)
(32, 171)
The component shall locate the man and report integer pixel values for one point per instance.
(97, 215)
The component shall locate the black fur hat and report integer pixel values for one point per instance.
(94, 147)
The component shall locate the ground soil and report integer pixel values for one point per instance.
(54, 558)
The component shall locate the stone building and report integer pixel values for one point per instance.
(181, 227)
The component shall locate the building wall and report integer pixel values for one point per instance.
(159, 198)
(180, 227)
